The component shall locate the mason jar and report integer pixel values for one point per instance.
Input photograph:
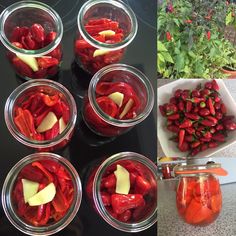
(41, 114)
(25, 217)
(32, 32)
(106, 118)
(105, 29)
(198, 195)
(132, 212)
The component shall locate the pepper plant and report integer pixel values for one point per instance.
(191, 41)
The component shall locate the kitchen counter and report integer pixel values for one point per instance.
(227, 152)
(169, 223)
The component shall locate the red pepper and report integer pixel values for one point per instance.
(211, 106)
(204, 147)
(168, 36)
(142, 186)
(219, 127)
(162, 110)
(45, 172)
(60, 202)
(223, 108)
(208, 34)
(207, 134)
(192, 116)
(229, 125)
(207, 123)
(122, 202)
(173, 128)
(184, 147)
(186, 124)
(181, 137)
(181, 105)
(218, 137)
(188, 106)
(188, 21)
(46, 216)
(173, 117)
(195, 144)
(50, 100)
(213, 144)
(190, 130)
(171, 109)
(213, 119)
(196, 100)
(204, 112)
(106, 198)
(195, 151)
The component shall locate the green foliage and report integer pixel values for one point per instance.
(190, 53)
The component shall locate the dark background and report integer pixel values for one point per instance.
(85, 147)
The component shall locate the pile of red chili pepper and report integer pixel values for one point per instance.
(103, 90)
(29, 114)
(131, 207)
(198, 117)
(199, 201)
(34, 38)
(85, 51)
(44, 172)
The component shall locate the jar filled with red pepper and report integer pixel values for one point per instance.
(41, 114)
(32, 32)
(41, 194)
(119, 97)
(198, 195)
(105, 29)
(123, 191)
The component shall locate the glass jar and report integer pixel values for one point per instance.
(9, 189)
(100, 190)
(32, 32)
(105, 29)
(106, 118)
(198, 195)
(29, 105)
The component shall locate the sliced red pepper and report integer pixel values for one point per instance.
(109, 181)
(60, 202)
(122, 202)
(142, 186)
(50, 100)
(52, 133)
(107, 105)
(46, 173)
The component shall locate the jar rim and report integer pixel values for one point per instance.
(31, 4)
(125, 227)
(198, 167)
(10, 103)
(141, 77)
(117, 3)
(9, 182)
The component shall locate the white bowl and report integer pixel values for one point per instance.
(165, 92)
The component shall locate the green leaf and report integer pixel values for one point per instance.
(167, 57)
(191, 54)
(160, 57)
(228, 18)
(161, 47)
(179, 62)
(176, 22)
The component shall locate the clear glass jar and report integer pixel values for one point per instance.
(10, 207)
(31, 96)
(117, 78)
(32, 32)
(198, 195)
(93, 49)
(100, 190)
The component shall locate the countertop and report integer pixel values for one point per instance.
(170, 224)
(227, 152)
(85, 147)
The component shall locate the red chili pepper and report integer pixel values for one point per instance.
(45, 172)
(173, 117)
(188, 106)
(212, 130)
(207, 134)
(211, 106)
(185, 124)
(196, 100)
(173, 128)
(219, 115)
(171, 109)
(208, 34)
(181, 105)
(218, 137)
(203, 139)
(181, 137)
(178, 93)
(213, 144)
(195, 144)
(223, 108)
(190, 130)
(189, 138)
(45, 63)
(213, 119)
(207, 123)
(229, 125)
(184, 147)
(50, 100)
(109, 181)
(192, 116)
(219, 127)
(168, 36)
(195, 151)
(188, 21)
(122, 202)
(204, 112)
(204, 147)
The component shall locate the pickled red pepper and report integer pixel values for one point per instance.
(199, 201)
(34, 38)
(35, 109)
(130, 207)
(103, 30)
(128, 108)
(44, 172)
(200, 113)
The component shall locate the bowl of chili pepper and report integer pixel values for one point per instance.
(41, 114)
(123, 191)
(41, 194)
(195, 118)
